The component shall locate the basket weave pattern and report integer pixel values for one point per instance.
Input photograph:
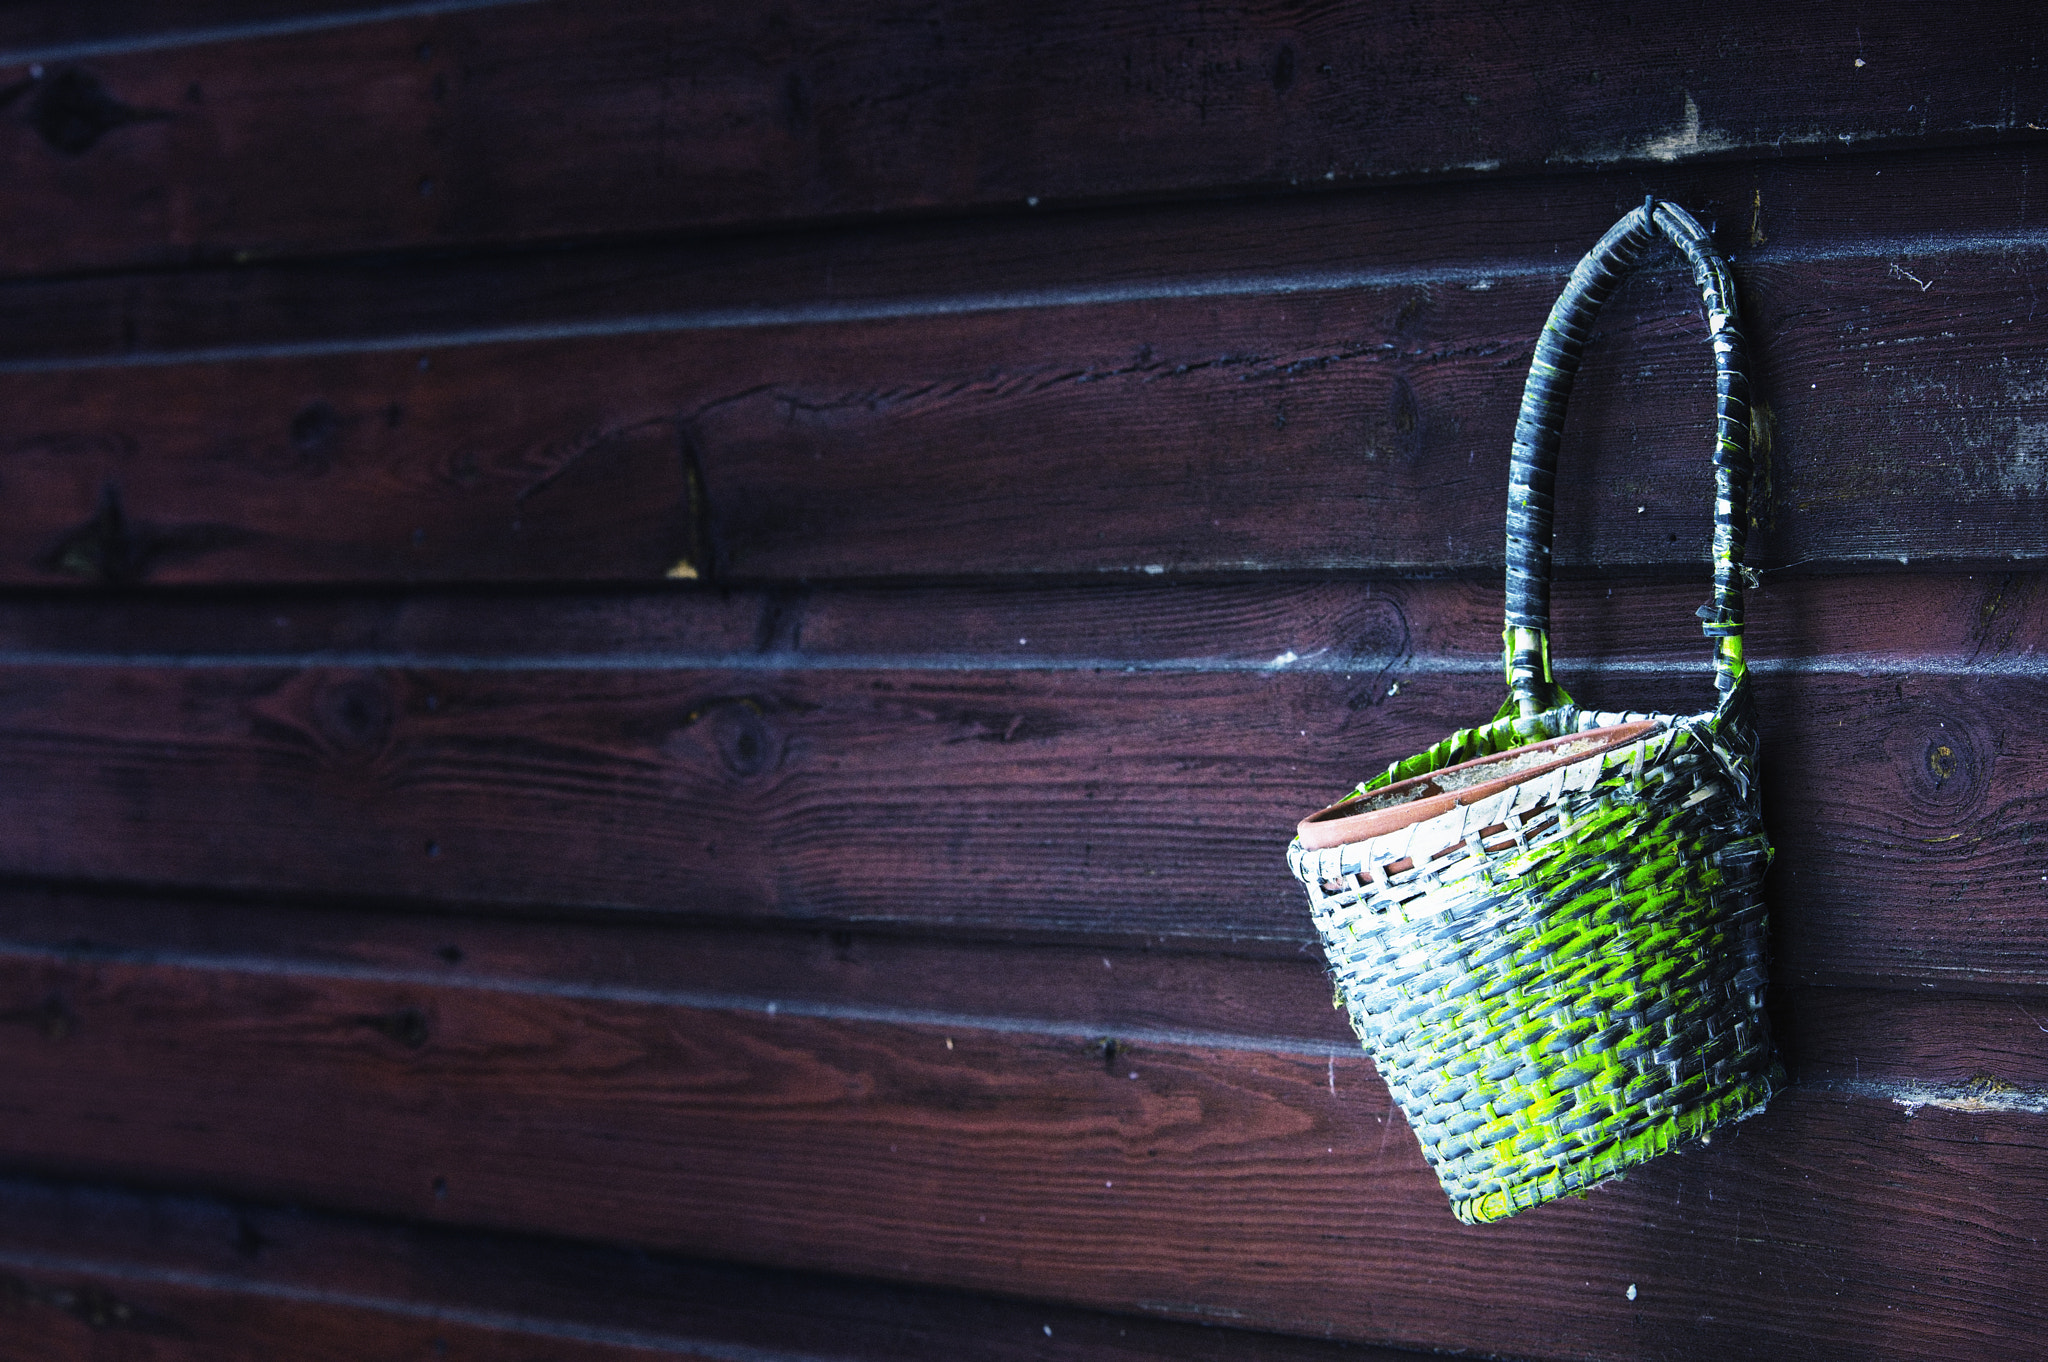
(1565, 978)
(1562, 980)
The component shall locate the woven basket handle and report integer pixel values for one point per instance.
(1532, 478)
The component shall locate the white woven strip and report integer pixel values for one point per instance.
(1448, 851)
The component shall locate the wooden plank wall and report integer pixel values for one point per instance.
(655, 659)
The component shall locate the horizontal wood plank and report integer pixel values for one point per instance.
(1341, 430)
(1111, 795)
(1274, 1190)
(1104, 992)
(99, 1273)
(1107, 994)
(875, 944)
(48, 32)
(1912, 208)
(528, 122)
(1982, 623)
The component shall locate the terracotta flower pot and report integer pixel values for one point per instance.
(1357, 817)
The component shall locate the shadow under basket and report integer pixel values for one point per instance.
(1549, 929)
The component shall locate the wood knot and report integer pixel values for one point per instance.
(73, 111)
(354, 715)
(407, 1026)
(1950, 773)
(314, 433)
(738, 731)
(1941, 762)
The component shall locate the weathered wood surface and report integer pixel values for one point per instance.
(1276, 1189)
(1095, 992)
(525, 122)
(57, 32)
(1125, 790)
(1100, 465)
(1912, 208)
(1983, 623)
(1341, 430)
(103, 1274)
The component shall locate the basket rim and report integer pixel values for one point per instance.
(1423, 797)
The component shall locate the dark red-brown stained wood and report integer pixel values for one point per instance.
(1113, 996)
(1988, 623)
(1277, 1190)
(524, 122)
(95, 1273)
(1366, 430)
(1915, 211)
(1096, 991)
(1071, 795)
(1351, 429)
(361, 468)
(54, 32)
(1910, 208)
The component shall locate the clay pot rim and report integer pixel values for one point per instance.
(1328, 827)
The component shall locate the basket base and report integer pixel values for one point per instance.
(1737, 1104)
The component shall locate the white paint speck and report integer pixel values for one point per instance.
(1048, 1331)
(1688, 139)
(1032, 202)
(1632, 1285)
(1859, 61)
(1154, 569)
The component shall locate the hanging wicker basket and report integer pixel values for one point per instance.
(1549, 929)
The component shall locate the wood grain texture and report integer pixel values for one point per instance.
(878, 947)
(47, 32)
(535, 122)
(1342, 430)
(165, 481)
(1981, 623)
(1912, 208)
(93, 1272)
(1951, 1049)
(1278, 1190)
(1094, 991)
(1128, 791)
(1915, 1032)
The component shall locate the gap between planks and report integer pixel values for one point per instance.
(87, 1251)
(1478, 276)
(172, 39)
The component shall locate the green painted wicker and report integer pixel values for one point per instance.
(1566, 978)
